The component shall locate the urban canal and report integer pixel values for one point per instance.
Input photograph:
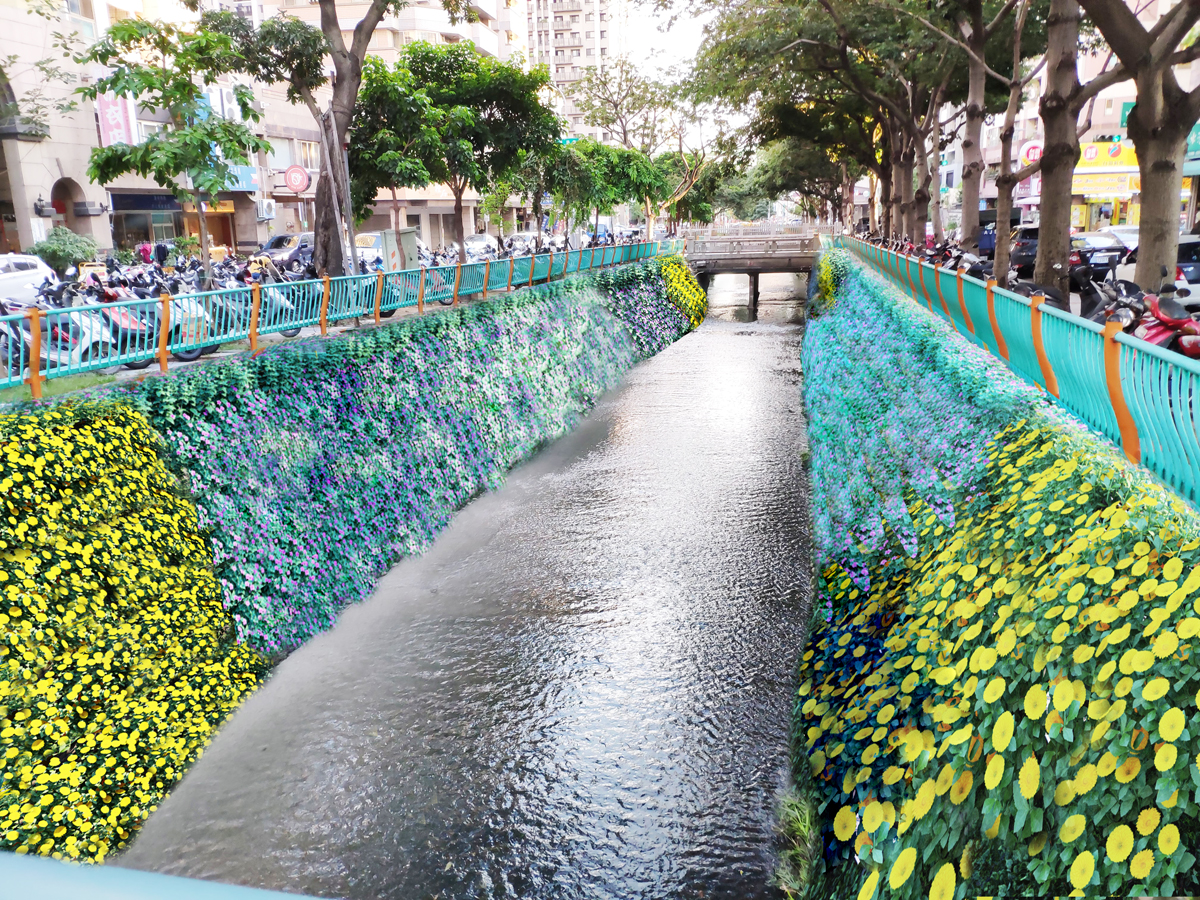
(582, 690)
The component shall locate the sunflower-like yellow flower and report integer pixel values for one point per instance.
(844, 823)
(902, 868)
(1165, 757)
(867, 891)
(1035, 702)
(1082, 869)
(1141, 864)
(1119, 843)
(1038, 844)
(1002, 732)
(1085, 779)
(994, 690)
(1148, 820)
(994, 773)
(1171, 724)
(962, 787)
(1129, 770)
(872, 816)
(1064, 696)
(1072, 828)
(1030, 777)
(944, 883)
(1168, 839)
(1156, 689)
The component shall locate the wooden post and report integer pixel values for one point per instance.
(532, 266)
(1130, 442)
(35, 352)
(1001, 344)
(924, 289)
(1039, 347)
(255, 306)
(962, 304)
(487, 272)
(164, 327)
(378, 294)
(550, 271)
(457, 279)
(512, 266)
(421, 292)
(325, 307)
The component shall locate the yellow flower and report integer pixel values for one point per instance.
(1148, 820)
(1082, 869)
(892, 774)
(902, 868)
(962, 787)
(844, 823)
(872, 817)
(1156, 689)
(1173, 569)
(1064, 696)
(1035, 702)
(1072, 828)
(1002, 732)
(1165, 757)
(867, 891)
(995, 772)
(1101, 574)
(1120, 842)
(1085, 779)
(945, 779)
(1166, 644)
(1171, 724)
(1064, 793)
(1168, 839)
(1038, 844)
(943, 883)
(994, 690)
(1030, 777)
(1128, 770)
(1107, 765)
(1141, 865)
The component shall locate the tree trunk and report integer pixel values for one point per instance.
(907, 192)
(328, 241)
(1160, 151)
(897, 196)
(872, 215)
(885, 195)
(1061, 151)
(935, 188)
(458, 223)
(972, 150)
(205, 245)
(920, 202)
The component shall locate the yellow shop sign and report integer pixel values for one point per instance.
(1106, 183)
(1114, 155)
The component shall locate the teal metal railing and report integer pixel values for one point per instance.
(86, 338)
(1140, 396)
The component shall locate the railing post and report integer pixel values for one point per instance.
(378, 294)
(512, 267)
(1130, 441)
(421, 292)
(924, 289)
(325, 307)
(550, 271)
(1039, 347)
(1001, 344)
(164, 328)
(962, 304)
(35, 352)
(532, 266)
(487, 273)
(457, 279)
(255, 306)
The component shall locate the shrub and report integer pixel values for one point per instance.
(63, 248)
(832, 268)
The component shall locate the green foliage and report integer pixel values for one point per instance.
(632, 108)
(63, 248)
(187, 244)
(832, 269)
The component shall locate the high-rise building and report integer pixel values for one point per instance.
(570, 36)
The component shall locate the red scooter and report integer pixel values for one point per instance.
(1172, 324)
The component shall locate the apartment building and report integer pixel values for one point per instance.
(570, 36)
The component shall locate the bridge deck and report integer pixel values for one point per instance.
(752, 253)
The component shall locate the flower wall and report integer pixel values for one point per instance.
(998, 696)
(164, 541)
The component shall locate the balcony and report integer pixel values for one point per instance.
(567, 5)
(569, 41)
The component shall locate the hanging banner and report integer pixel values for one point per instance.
(115, 120)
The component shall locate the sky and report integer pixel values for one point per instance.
(655, 50)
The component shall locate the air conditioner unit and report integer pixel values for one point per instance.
(266, 209)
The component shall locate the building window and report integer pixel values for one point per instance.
(603, 35)
(591, 52)
(588, 17)
(575, 53)
(280, 156)
(163, 226)
(604, 51)
(603, 16)
(574, 18)
(558, 20)
(560, 54)
(588, 35)
(145, 129)
(1108, 107)
(82, 17)
(310, 154)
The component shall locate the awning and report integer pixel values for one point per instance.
(1191, 167)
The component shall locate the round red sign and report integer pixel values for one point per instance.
(296, 178)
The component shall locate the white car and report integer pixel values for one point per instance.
(21, 276)
(1126, 234)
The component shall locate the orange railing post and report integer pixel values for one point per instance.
(421, 292)
(532, 266)
(1001, 344)
(378, 295)
(1039, 346)
(164, 327)
(962, 304)
(35, 353)
(325, 307)
(457, 279)
(550, 271)
(1130, 441)
(937, 283)
(255, 306)
(487, 272)
(512, 267)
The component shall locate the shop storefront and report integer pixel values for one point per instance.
(145, 218)
(1106, 187)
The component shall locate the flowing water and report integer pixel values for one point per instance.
(582, 690)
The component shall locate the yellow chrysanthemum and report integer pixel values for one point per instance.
(1156, 689)
(1030, 777)
(994, 829)
(1072, 828)
(1165, 757)
(944, 883)
(995, 772)
(1171, 724)
(902, 868)
(1148, 820)
(892, 774)
(1120, 843)
(1141, 864)
(945, 779)
(1166, 644)
(1064, 696)
(1173, 569)
(1002, 732)
(1064, 794)
(994, 690)
(962, 787)
(1128, 770)
(1107, 765)
(1082, 869)
(1168, 839)
(844, 823)
(1085, 779)
(872, 816)
(867, 891)
(1035, 702)
(1038, 844)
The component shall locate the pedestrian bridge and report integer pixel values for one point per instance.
(752, 250)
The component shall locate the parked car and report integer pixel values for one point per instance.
(21, 276)
(1187, 267)
(1024, 249)
(481, 243)
(1127, 234)
(1099, 249)
(290, 251)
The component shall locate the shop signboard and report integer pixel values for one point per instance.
(247, 178)
(113, 113)
(1105, 184)
(1107, 155)
(296, 178)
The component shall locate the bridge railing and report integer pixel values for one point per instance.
(762, 230)
(39, 345)
(1143, 398)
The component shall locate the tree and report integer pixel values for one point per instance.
(508, 117)
(164, 67)
(1160, 121)
(63, 248)
(633, 109)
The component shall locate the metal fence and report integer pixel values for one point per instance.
(37, 345)
(1143, 398)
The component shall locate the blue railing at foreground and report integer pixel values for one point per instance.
(39, 345)
(1143, 398)
(49, 879)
